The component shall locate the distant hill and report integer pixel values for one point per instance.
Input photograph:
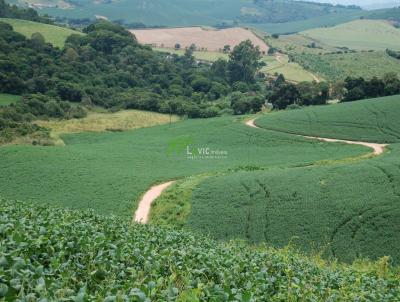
(359, 35)
(55, 35)
(200, 12)
(386, 14)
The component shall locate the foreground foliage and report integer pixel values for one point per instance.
(64, 255)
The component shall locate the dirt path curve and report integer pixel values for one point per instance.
(378, 148)
(143, 210)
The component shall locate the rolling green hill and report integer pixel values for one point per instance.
(117, 167)
(339, 65)
(373, 120)
(344, 210)
(359, 35)
(55, 35)
(56, 254)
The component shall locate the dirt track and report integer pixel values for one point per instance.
(378, 148)
(209, 39)
(143, 210)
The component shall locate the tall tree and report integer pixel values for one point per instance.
(244, 62)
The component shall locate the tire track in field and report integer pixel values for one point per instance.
(377, 150)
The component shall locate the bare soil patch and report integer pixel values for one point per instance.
(207, 39)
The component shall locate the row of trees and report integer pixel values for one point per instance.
(360, 88)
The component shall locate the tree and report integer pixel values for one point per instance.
(38, 40)
(226, 49)
(177, 46)
(244, 62)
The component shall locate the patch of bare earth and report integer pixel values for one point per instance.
(205, 39)
(143, 210)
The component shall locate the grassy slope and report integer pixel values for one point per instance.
(56, 254)
(103, 121)
(372, 120)
(292, 71)
(7, 99)
(109, 171)
(53, 34)
(359, 35)
(340, 66)
(345, 210)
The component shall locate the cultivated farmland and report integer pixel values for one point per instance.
(374, 120)
(204, 38)
(110, 171)
(334, 208)
(359, 35)
(88, 257)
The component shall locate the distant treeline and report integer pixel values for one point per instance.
(12, 11)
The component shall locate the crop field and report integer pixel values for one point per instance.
(141, 263)
(359, 35)
(7, 99)
(52, 34)
(204, 38)
(109, 171)
(374, 120)
(291, 70)
(344, 210)
(340, 66)
(302, 25)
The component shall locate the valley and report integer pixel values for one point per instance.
(199, 150)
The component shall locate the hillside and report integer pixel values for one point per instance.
(201, 12)
(338, 65)
(372, 120)
(359, 35)
(392, 14)
(54, 254)
(55, 35)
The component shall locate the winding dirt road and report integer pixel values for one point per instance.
(378, 148)
(143, 210)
